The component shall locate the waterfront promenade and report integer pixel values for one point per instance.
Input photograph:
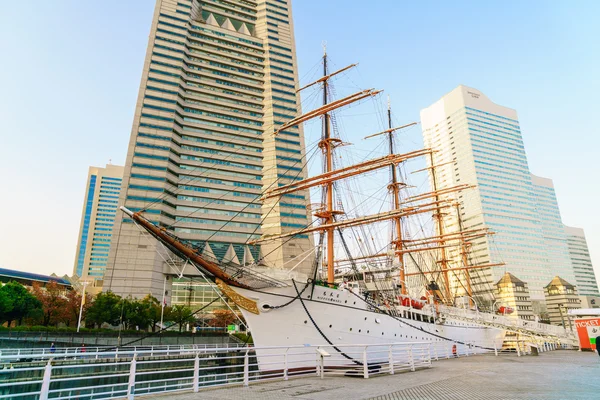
(562, 374)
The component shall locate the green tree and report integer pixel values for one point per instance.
(106, 308)
(179, 314)
(136, 313)
(21, 302)
(6, 305)
(154, 310)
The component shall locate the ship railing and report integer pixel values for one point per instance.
(506, 321)
(132, 374)
(59, 352)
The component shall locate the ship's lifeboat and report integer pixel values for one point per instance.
(505, 310)
(407, 301)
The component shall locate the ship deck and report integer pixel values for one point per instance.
(562, 374)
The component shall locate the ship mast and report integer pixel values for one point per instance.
(463, 253)
(440, 228)
(326, 145)
(395, 189)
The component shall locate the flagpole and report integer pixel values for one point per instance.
(162, 303)
(81, 306)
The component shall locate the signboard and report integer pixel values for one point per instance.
(587, 330)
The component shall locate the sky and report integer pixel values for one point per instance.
(70, 75)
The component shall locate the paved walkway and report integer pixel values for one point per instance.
(550, 376)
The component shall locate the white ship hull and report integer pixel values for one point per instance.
(340, 317)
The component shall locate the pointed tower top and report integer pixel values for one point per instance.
(244, 29)
(211, 20)
(228, 25)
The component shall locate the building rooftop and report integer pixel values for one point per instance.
(558, 281)
(510, 278)
(27, 278)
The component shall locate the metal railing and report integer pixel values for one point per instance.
(507, 322)
(107, 378)
(42, 353)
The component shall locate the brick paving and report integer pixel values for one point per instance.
(551, 376)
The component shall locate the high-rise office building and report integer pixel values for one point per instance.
(479, 142)
(219, 77)
(97, 219)
(585, 278)
(553, 231)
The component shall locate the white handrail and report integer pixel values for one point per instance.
(192, 370)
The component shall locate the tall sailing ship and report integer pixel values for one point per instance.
(385, 297)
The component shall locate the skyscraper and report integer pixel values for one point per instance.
(97, 219)
(479, 142)
(553, 230)
(219, 77)
(585, 278)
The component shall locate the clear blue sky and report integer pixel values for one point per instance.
(70, 74)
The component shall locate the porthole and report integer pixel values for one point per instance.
(324, 293)
(330, 326)
(305, 321)
(367, 331)
(346, 301)
(354, 302)
(360, 330)
(365, 318)
(350, 329)
(382, 333)
(395, 334)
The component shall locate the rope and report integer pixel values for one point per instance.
(320, 331)
(308, 282)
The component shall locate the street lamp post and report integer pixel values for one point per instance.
(81, 306)
(162, 304)
(561, 316)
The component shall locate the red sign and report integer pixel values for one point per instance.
(588, 330)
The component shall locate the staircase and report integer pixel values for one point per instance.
(529, 328)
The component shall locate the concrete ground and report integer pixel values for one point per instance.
(562, 374)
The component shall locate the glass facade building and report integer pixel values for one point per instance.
(585, 278)
(219, 77)
(479, 142)
(97, 220)
(553, 231)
